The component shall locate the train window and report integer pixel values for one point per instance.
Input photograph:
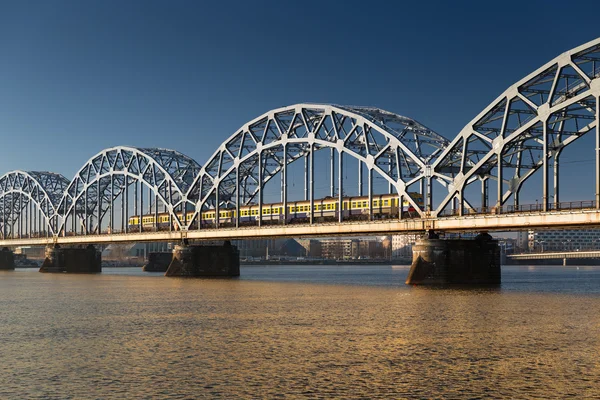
(386, 202)
(353, 204)
(364, 204)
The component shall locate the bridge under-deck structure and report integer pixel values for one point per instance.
(404, 177)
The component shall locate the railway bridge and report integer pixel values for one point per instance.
(326, 170)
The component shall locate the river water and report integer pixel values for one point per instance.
(299, 332)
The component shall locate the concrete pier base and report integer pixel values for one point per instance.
(215, 261)
(72, 260)
(455, 262)
(158, 262)
(7, 259)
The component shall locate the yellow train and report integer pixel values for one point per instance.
(326, 209)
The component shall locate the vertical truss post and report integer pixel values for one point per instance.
(237, 198)
(184, 214)
(484, 193)
(126, 198)
(500, 186)
(3, 217)
(85, 228)
(217, 205)
(556, 180)
(156, 211)
(260, 187)
(170, 194)
(28, 219)
(112, 203)
(305, 177)
(340, 186)
(390, 186)
(99, 206)
(135, 202)
(545, 168)
(429, 199)
(370, 188)
(141, 214)
(66, 220)
(461, 201)
(35, 221)
(150, 205)
(597, 152)
(284, 188)
(332, 170)
(400, 205)
(123, 219)
(20, 225)
(311, 154)
(360, 179)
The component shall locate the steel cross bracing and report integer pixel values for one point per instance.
(524, 130)
(28, 203)
(397, 148)
(125, 175)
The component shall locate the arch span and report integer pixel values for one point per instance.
(525, 130)
(126, 173)
(396, 148)
(29, 201)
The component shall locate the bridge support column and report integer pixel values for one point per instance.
(158, 261)
(464, 262)
(216, 261)
(86, 260)
(7, 259)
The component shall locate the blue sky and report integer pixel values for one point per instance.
(80, 76)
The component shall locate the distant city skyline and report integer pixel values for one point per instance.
(77, 77)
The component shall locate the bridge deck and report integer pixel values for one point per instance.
(487, 222)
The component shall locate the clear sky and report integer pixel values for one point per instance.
(80, 76)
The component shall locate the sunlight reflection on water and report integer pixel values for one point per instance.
(298, 331)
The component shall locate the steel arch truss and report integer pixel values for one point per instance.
(28, 203)
(397, 148)
(122, 175)
(524, 130)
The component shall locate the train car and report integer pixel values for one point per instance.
(325, 209)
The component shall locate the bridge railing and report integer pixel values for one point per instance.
(522, 208)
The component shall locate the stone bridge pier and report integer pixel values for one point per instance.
(207, 261)
(84, 260)
(456, 261)
(7, 259)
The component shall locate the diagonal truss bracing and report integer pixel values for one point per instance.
(525, 130)
(28, 203)
(396, 148)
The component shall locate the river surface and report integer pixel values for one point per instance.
(299, 332)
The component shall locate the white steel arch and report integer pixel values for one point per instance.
(524, 130)
(123, 172)
(29, 200)
(397, 148)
